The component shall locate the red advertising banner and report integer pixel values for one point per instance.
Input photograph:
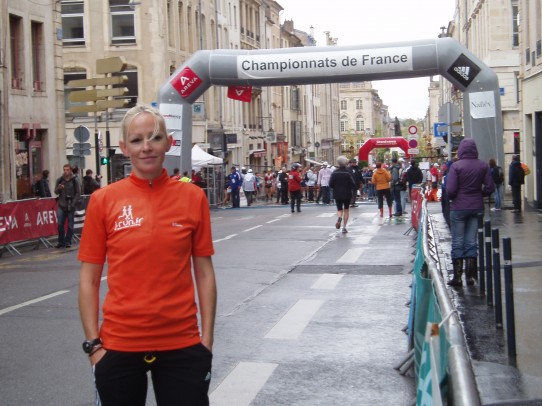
(27, 220)
(416, 199)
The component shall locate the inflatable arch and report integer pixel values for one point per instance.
(388, 142)
(482, 119)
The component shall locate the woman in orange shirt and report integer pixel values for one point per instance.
(381, 179)
(151, 229)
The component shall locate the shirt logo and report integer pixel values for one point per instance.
(127, 220)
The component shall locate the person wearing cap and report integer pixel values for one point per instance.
(235, 184)
(323, 183)
(249, 186)
(343, 185)
(294, 187)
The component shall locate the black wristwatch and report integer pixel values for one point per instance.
(89, 345)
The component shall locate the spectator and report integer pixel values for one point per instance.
(395, 171)
(311, 183)
(468, 182)
(69, 195)
(249, 186)
(414, 176)
(155, 235)
(42, 186)
(283, 180)
(89, 183)
(343, 185)
(358, 180)
(235, 186)
(176, 174)
(516, 178)
(498, 178)
(323, 183)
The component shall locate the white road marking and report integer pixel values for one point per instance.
(363, 240)
(39, 299)
(225, 238)
(327, 281)
(272, 221)
(253, 228)
(351, 256)
(292, 324)
(327, 214)
(242, 384)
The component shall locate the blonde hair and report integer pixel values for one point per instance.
(131, 114)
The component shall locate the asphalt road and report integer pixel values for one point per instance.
(306, 315)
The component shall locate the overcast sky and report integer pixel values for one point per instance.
(360, 22)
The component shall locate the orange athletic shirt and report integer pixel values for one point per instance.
(148, 232)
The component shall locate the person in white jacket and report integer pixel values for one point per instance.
(249, 186)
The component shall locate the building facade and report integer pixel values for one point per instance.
(32, 101)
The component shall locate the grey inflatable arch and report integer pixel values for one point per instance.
(482, 119)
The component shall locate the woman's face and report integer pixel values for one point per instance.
(146, 146)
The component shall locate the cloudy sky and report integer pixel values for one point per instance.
(359, 22)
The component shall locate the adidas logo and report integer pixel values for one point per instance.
(463, 71)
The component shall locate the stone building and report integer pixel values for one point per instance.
(31, 102)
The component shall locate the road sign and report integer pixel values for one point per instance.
(448, 108)
(413, 151)
(81, 134)
(110, 65)
(81, 148)
(412, 129)
(108, 81)
(436, 130)
(96, 94)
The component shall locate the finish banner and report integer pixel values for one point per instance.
(27, 220)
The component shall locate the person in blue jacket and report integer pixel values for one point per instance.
(235, 184)
(469, 180)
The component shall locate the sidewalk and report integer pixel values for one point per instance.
(502, 379)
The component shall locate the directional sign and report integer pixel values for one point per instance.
(110, 65)
(95, 94)
(90, 108)
(111, 80)
(111, 104)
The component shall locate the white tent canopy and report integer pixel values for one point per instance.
(200, 158)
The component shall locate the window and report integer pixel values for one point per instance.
(38, 62)
(16, 50)
(73, 31)
(344, 124)
(359, 122)
(515, 25)
(122, 22)
(131, 84)
(359, 104)
(344, 105)
(295, 105)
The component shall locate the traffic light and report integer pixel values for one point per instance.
(104, 160)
